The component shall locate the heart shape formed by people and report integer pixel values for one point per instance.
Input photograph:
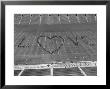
(50, 44)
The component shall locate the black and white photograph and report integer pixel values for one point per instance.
(55, 44)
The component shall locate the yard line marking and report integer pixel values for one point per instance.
(30, 19)
(78, 19)
(21, 72)
(51, 71)
(86, 19)
(40, 19)
(95, 18)
(82, 71)
(68, 19)
(20, 19)
(59, 19)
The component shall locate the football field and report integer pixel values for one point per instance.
(55, 45)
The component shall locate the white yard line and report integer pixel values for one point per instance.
(78, 19)
(68, 19)
(30, 19)
(40, 19)
(86, 19)
(82, 71)
(96, 18)
(20, 19)
(48, 18)
(59, 19)
(21, 72)
(51, 71)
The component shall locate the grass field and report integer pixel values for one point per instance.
(36, 44)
